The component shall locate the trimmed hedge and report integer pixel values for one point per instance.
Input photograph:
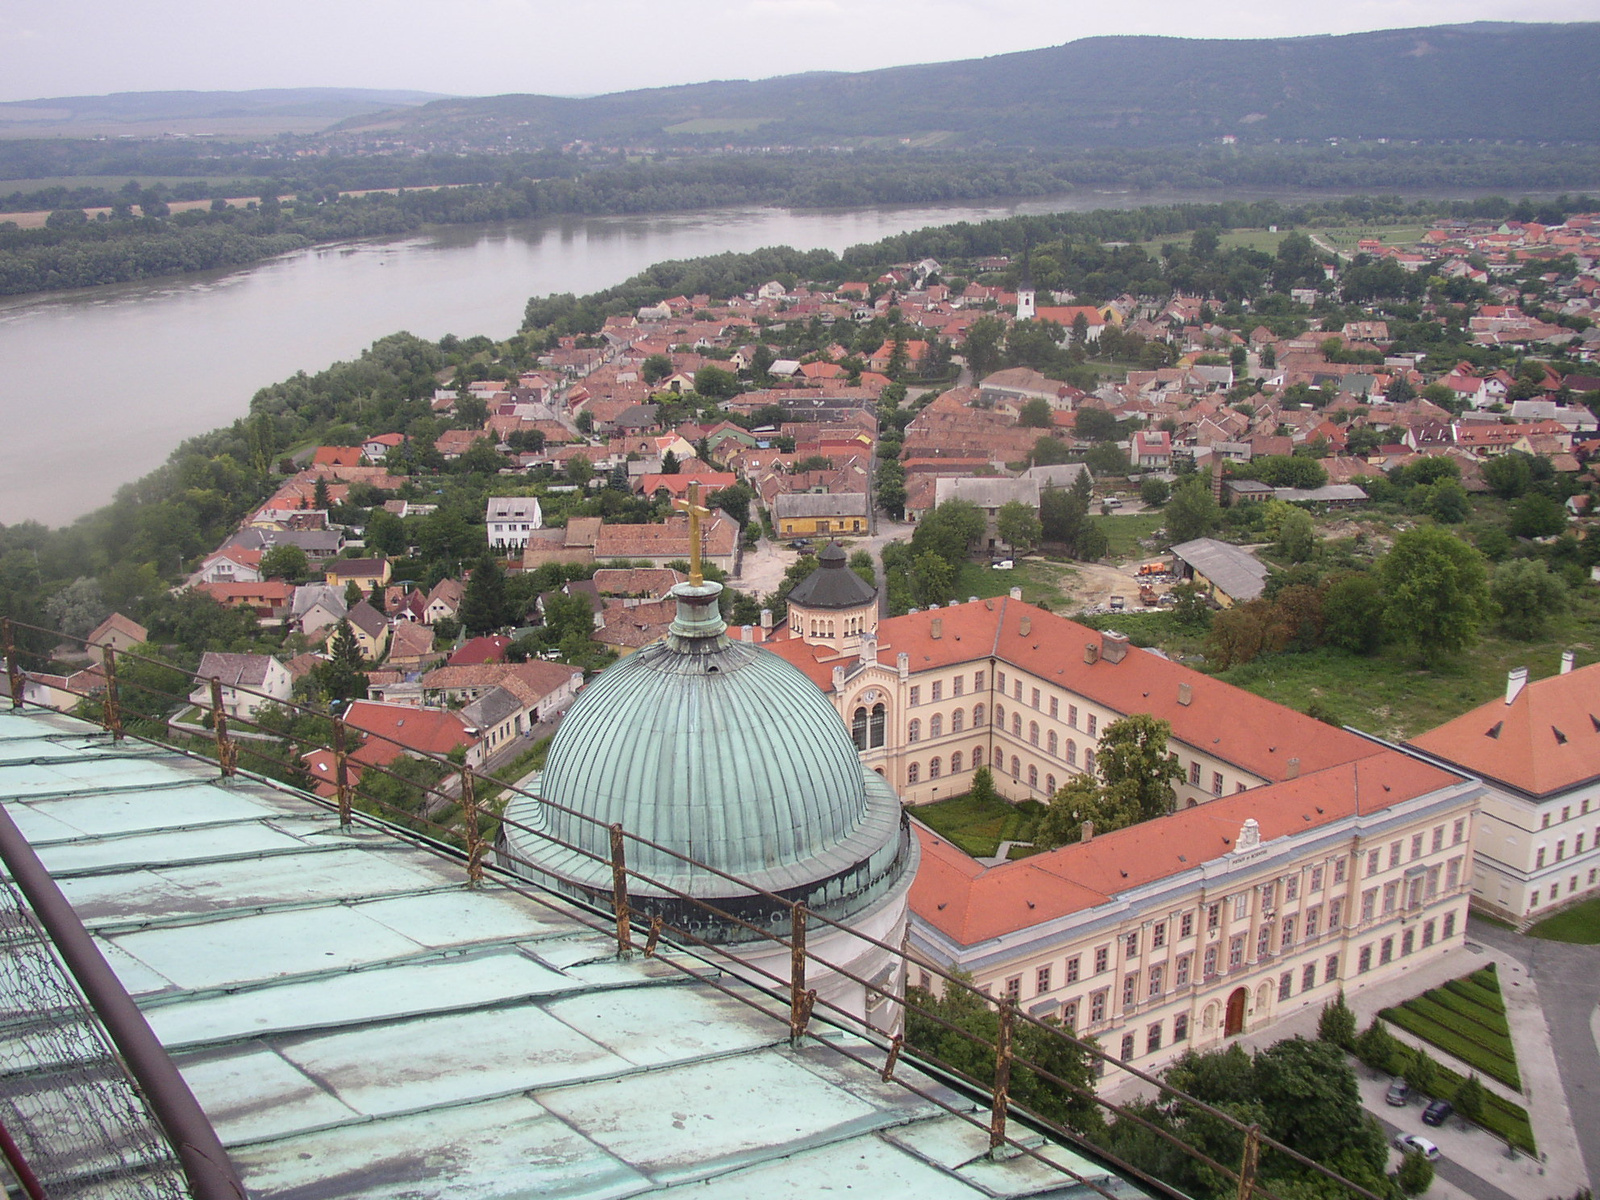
(1448, 1040)
(1466, 1018)
(1473, 994)
(1501, 1117)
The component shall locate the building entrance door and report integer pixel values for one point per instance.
(1235, 1020)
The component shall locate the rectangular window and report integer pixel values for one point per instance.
(1308, 977)
(1427, 933)
(1449, 926)
(916, 696)
(1130, 989)
(1287, 939)
(1285, 985)
(1561, 849)
(1127, 1047)
(1158, 935)
(1544, 822)
(1385, 950)
(1194, 774)
(1577, 845)
(1236, 952)
(1097, 1007)
(1181, 976)
(1452, 874)
(1014, 988)
(1132, 948)
(938, 690)
(1364, 960)
(1094, 724)
(1269, 894)
(1186, 925)
(1213, 917)
(1438, 838)
(1216, 783)
(1416, 846)
(1034, 700)
(1374, 862)
(1330, 969)
(1152, 1038)
(1180, 1027)
(1316, 879)
(1055, 707)
(1335, 914)
(1264, 940)
(1072, 969)
(1291, 888)
(1433, 882)
(1408, 942)
(1072, 715)
(1313, 920)
(1391, 895)
(1338, 870)
(1155, 981)
(1458, 831)
(1241, 906)
(1369, 904)
(955, 685)
(1102, 958)
(1000, 681)
(1538, 859)
(1211, 961)
(1041, 980)
(1394, 854)
(1566, 812)
(977, 680)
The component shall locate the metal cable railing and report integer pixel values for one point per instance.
(797, 1004)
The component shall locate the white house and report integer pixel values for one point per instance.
(510, 519)
(249, 681)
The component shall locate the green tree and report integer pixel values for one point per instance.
(1414, 1175)
(669, 463)
(715, 383)
(579, 470)
(319, 494)
(1537, 515)
(1155, 491)
(386, 533)
(655, 368)
(865, 567)
(1352, 612)
(949, 530)
(1469, 1098)
(1192, 512)
(1133, 763)
(353, 595)
(1083, 800)
(1337, 1024)
(1297, 536)
(287, 562)
(1018, 526)
(1422, 1072)
(1036, 414)
(77, 608)
(933, 579)
(891, 488)
(485, 606)
(1191, 608)
(1095, 424)
(1508, 475)
(567, 617)
(1449, 504)
(1436, 592)
(1527, 595)
(983, 346)
(341, 677)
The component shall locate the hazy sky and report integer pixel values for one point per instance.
(484, 47)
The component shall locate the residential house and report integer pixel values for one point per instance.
(509, 519)
(270, 599)
(444, 601)
(231, 564)
(1152, 449)
(990, 494)
(386, 731)
(316, 607)
(365, 573)
(370, 628)
(248, 683)
(820, 514)
(116, 633)
(411, 647)
(547, 688)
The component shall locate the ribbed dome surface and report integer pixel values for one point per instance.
(729, 755)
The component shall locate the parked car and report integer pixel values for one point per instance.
(1112, 501)
(1399, 1093)
(800, 544)
(1437, 1112)
(1411, 1143)
(1003, 564)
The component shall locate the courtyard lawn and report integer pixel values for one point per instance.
(1580, 924)
(978, 826)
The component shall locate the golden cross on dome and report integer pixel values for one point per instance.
(696, 510)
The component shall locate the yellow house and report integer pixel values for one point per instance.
(370, 628)
(366, 572)
(820, 514)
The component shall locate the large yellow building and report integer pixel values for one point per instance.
(1301, 858)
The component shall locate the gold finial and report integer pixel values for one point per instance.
(696, 510)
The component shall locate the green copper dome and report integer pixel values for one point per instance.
(725, 753)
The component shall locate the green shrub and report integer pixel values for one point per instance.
(1490, 1039)
(1415, 1174)
(1337, 1024)
(1473, 994)
(1470, 1010)
(1468, 1051)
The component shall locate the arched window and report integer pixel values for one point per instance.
(957, 721)
(955, 763)
(1016, 724)
(934, 769)
(914, 731)
(913, 773)
(1016, 767)
(977, 757)
(936, 726)
(858, 728)
(1033, 777)
(1000, 718)
(1072, 753)
(1051, 744)
(977, 716)
(1088, 761)
(1033, 733)
(1050, 784)
(875, 727)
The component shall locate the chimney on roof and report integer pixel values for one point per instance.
(1185, 693)
(1087, 832)
(1568, 661)
(1016, 593)
(1293, 770)
(1091, 653)
(936, 628)
(1113, 646)
(902, 662)
(766, 618)
(745, 634)
(1026, 627)
(1516, 680)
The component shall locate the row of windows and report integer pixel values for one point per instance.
(1408, 943)
(1555, 889)
(1458, 834)
(1418, 888)
(957, 687)
(1561, 848)
(1566, 815)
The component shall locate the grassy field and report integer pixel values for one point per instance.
(112, 181)
(1040, 581)
(1125, 533)
(977, 826)
(1580, 924)
(1342, 237)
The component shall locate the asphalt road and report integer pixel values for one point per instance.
(1456, 1175)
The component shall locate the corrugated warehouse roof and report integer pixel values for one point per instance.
(1237, 572)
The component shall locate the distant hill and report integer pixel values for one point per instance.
(1477, 81)
(262, 112)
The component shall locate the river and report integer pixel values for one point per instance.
(98, 386)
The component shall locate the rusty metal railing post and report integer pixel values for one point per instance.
(801, 998)
(1249, 1162)
(341, 776)
(111, 706)
(469, 814)
(1002, 1077)
(14, 675)
(227, 749)
(20, 1167)
(896, 1044)
(619, 891)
